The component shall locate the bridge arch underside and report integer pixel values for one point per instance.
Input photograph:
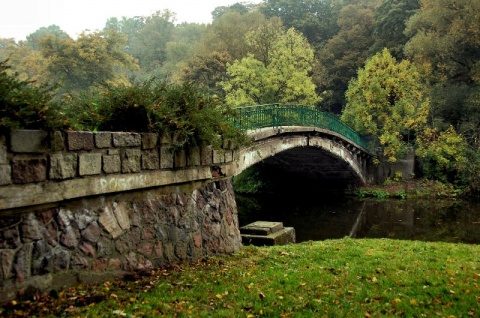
(307, 161)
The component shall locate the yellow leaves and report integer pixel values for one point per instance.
(446, 147)
(387, 101)
(395, 302)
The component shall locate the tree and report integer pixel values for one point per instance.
(147, 40)
(390, 23)
(5, 43)
(277, 72)
(241, 8)
(179, 50)
(227, 34)
(149, 46)
(222, 42)
(345, 52)
(25, 106)
(206, 71)
(446, 34)
(387, 100)
(315, 19)
(445, 42)
(441, 153)
(92, 60)
(33, 39)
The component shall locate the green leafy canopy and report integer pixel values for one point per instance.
(387, 100)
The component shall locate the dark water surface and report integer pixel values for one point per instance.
(316, 217)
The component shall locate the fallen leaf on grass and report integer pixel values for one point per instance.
(119, 313)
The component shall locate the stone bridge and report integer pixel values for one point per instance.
(311, 153)
(81, 206)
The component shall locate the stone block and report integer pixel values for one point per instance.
(6, 264)
(28, 141)
(111, 163)
(29, 170)
(31, 229)
(131, 160)
(70, 237)
(206, 155)
(5, 174)
(180, 159)
(57, 141)
(80, 140)
(166, 157)
(61, 259)
(150, 160)
(114, 263)
(228, 156)
(92, 232)
(261, 228)
(281, 237)
(103, 140)
(218, 156)
(193, 157)
(109, 222)
(22, 262)
(90, 164)
(149, 140)
(78, 262)
(99, 265)
(87, 249)
(125, 139)
(120, 211)
(63, 166)
(3, 149)
(166, 139)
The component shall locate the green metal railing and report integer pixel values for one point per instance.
(276, 115)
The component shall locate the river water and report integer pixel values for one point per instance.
(317, 217)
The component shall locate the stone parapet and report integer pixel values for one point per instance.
(36, 167)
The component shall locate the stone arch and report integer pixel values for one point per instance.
(268, 144)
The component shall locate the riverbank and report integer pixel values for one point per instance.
(412, 189)
(332, 278)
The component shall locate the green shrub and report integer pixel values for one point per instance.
(112, 108)
(182, 111)
(24, 105)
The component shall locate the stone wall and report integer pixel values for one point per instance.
(97, 238)
(37, 167)
(81, 206)
(404, 167)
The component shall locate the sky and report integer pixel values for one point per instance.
(19, 18)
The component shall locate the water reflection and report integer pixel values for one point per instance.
(335, 216)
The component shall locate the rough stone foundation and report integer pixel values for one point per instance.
(91, 239)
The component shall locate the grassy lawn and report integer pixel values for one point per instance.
(333, 278)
